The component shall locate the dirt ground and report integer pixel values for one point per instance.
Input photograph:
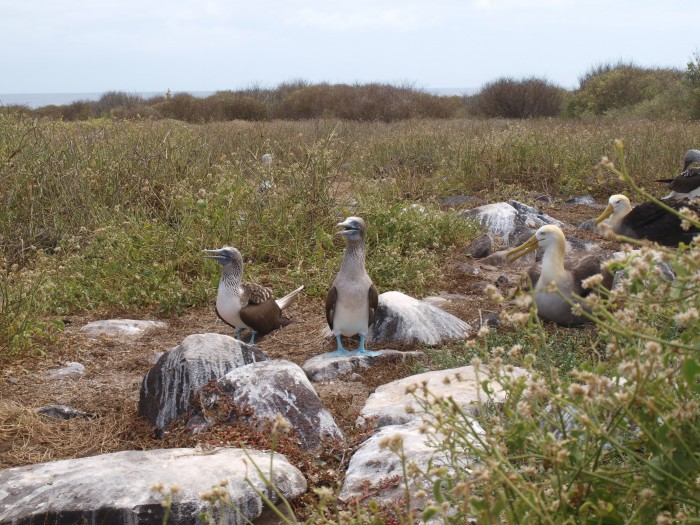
(114, 369)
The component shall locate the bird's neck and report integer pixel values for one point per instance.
(552, 265)
(231, 276)
(354, 259)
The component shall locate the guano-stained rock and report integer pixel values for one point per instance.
(322, 368)
(387, 404)
(402, 319)
(280, 387)
(116, 488)
(168, 387)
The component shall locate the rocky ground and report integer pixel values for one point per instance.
(114, 368)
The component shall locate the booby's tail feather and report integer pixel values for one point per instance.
(289, 298)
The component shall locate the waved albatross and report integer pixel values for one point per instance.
(648, 220)
(351, 302)
(550, 304)
(247, 305)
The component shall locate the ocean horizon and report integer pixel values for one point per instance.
(36, 100)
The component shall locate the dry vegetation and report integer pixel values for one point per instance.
(106, 218)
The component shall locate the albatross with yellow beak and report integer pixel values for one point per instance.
(553, 305)
(648, 220)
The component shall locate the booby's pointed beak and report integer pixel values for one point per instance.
(524, 248)
(607, 212)
(348, 227)
(216, 254)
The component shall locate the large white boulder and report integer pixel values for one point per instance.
(117, 488)
(399, 402)
(169, 386)
(278, 387)
(401, 319)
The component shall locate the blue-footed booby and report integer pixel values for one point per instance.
(351, 303)
(687, 184)
(247, 305)
(648, 220)
(550, 304)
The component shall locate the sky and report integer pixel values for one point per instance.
(88, 46)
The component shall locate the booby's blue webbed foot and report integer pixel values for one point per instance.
(238, 334)
(340, 352)
(361, 350)
(364, 351)
(252, 339)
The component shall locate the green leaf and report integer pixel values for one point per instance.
(690, 371)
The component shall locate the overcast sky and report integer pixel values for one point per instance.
(204, 45)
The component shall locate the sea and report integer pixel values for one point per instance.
(36, 100)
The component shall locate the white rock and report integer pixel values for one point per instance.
(121, 328)
(116, 488)
(72, 370)
(402, 319)
(323, 368)
(387, 404)
(178, 375)
(507, 220)
(281, 387)
(373, 466)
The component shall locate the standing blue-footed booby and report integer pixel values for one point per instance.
(553, 304)
(351, 303)
(247, 305)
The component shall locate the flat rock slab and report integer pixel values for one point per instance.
(64, 412)
(71, 370)
(169, 386)
(116, 488)
(387, 405)
(378, 469)
(279, 387)
(323, 368)
(119, 328)
(402, 319)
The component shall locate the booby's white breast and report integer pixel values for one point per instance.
(228, 305)
(352, 306)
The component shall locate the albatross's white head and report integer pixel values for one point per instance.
(618, 207)
(548, 237)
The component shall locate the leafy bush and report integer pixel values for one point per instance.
(527, 98)
(622, 86)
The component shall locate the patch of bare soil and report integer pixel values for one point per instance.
(114, 369)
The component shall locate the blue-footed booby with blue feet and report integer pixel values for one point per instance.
(247, 305)
(351, 303)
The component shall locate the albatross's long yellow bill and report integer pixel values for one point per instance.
(524, 248)
(607, 212)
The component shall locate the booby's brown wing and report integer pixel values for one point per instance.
(331, 298)
(650, 221)
(686, 182)
(373, 302)
(255, 294)
(263, 317)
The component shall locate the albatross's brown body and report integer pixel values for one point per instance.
(555, 305)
